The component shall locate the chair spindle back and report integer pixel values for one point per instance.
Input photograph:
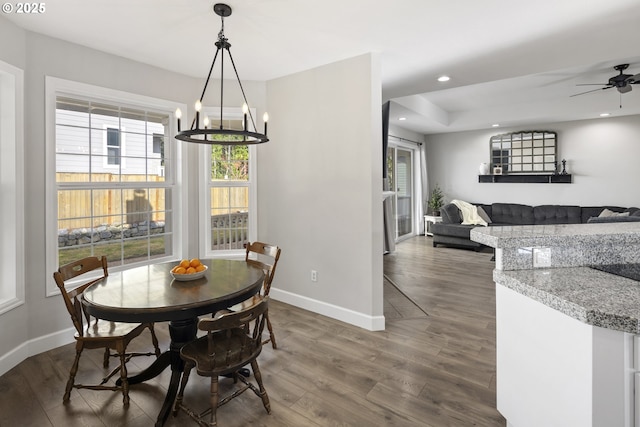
(72, 298)
(264, 256)
(245, 326)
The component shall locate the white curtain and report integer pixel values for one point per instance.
(424, 188)
(387, 204)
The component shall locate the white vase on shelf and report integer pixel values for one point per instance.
(484, 169)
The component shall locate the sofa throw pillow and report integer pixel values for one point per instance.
(606, 213)
(483, 214)
(450, 214)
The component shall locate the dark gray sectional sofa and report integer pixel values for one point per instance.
(451, 232)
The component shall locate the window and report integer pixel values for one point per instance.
(108, 200)
(229, 214)
(113, 146)
(11, 188)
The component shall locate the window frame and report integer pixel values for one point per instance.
(12, 210)
(205, 185)
(176, 183)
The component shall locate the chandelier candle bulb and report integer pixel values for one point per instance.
(198, 108)
(265, 118)
(178, 116)
(245, 110)
(206, 122)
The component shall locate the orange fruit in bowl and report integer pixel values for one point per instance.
(200, 268)
(195, 262)
(191, 270)
(185, 264)
(180, 270)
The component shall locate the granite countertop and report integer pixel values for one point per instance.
(557, 235)
(590, 296)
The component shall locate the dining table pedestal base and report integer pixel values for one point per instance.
(181, 332)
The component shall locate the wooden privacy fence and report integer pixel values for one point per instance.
(114, 206)
(109, 206)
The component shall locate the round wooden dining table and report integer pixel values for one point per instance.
(150, 294)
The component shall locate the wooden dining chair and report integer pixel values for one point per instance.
(93, 333)
(264, 256)
(233, 340)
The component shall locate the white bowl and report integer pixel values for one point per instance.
(187, 277)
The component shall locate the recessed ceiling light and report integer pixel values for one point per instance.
(443, 78)
(605, 114)
(402, 118)
(495, 125)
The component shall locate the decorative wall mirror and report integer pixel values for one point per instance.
(524, 152)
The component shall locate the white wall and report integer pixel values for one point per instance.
(602, 155)
(405, 133)
(12, 43)
(320, 189)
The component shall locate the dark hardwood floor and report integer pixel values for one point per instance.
(434, 369)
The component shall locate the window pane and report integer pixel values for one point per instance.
(74, 204)
(158, 202)
(107, 206)
(71, 139)
(67, 255)
(230, 163)
(229, 217)
(137, 205)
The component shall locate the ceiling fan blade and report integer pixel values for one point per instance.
(592, 84)
(589, 91)
(635, 79)
(625, 89)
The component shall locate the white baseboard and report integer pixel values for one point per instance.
(35, 346)
(371, 323)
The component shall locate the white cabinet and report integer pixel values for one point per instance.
(556, 371)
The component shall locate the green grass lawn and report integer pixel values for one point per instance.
(132, 250)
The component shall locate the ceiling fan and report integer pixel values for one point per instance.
(622, 81)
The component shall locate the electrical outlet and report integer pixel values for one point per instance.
(314, 276)
(541, 257)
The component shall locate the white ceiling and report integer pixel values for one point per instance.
(510, 62)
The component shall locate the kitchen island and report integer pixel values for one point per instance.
(565, 331)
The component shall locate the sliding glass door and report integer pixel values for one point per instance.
(400, 161)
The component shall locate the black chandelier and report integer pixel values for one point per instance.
(219, 135)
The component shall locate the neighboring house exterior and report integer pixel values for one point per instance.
(118, 145)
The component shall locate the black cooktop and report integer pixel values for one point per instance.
(630, 271)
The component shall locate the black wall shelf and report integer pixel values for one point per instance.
(527, 178)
